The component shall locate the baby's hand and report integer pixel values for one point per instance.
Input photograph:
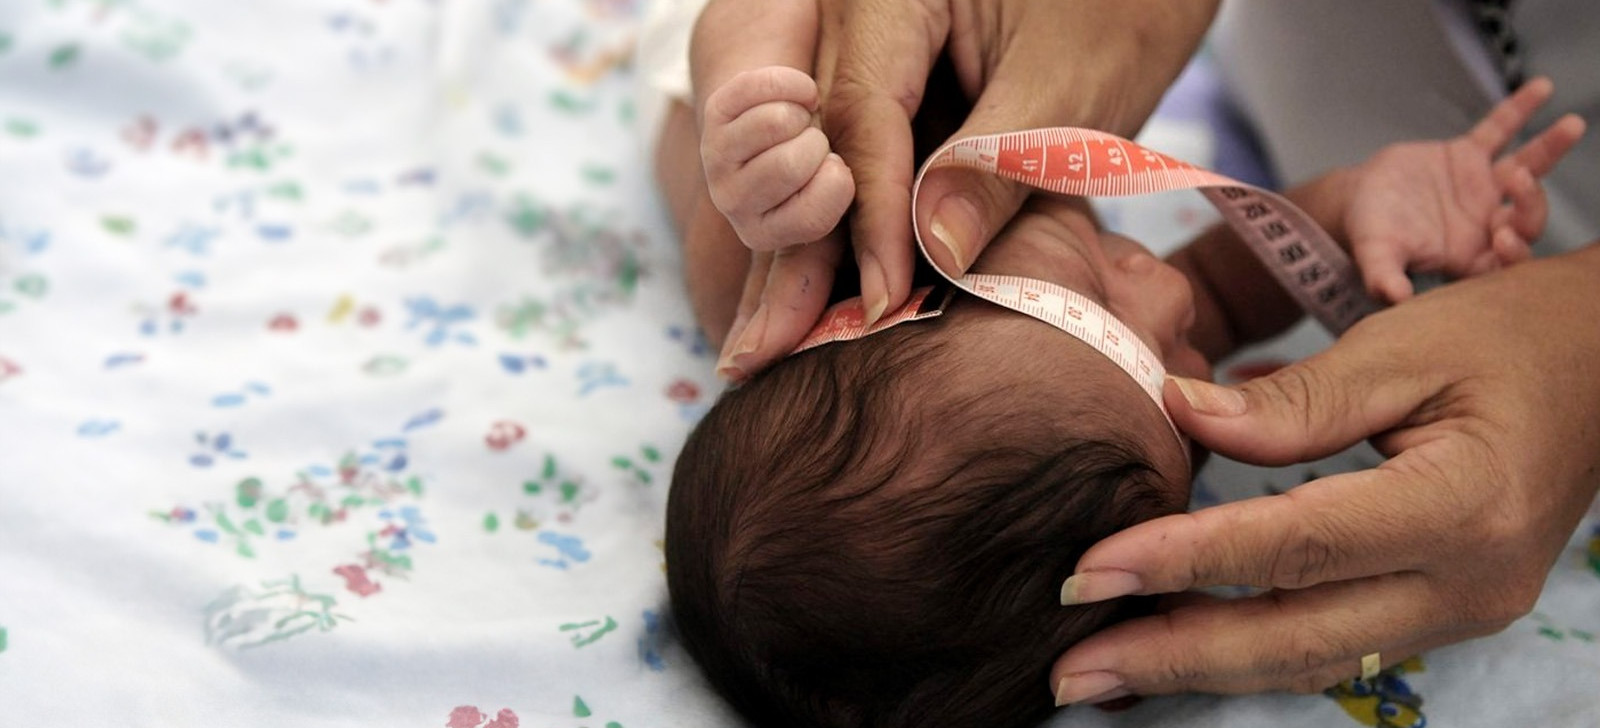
(1450, 206)
(769, 171)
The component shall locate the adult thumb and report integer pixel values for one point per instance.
(1305, 411)
(960, 210)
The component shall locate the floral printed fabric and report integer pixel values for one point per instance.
(343, 359)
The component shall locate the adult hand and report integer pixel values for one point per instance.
(1485, 395)
(1026, 64)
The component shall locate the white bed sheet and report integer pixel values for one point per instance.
(343, 359)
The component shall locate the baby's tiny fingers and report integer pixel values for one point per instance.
(745, 195)
(1485, 261)
(755, 131)
(1529, 207)
(1508, 117)
(1383, 267)
(1542, 152)
(774, 175)
(1390, 285)
(753, 88)
(810, 213)
(1509, 247)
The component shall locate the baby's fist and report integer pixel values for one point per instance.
(769, 171)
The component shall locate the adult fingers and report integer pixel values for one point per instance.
(755, 283)
(1304, 640)
(961, 210)
(1507, 118)
(1139, 49)
(1345, 526)
(791, 300)
(874, 66)
(1307, 410)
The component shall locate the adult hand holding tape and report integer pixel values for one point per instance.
(1482, 394)
(872, 64)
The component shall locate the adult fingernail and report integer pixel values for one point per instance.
(1080, 687)
(740, 323)
(1098, 586)
(880, 302)
(954, 226)
(729, 367)
(874, 288)
(1208, 398)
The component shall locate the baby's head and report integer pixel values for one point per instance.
(874, 533)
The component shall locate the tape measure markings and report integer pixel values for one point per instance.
(1088, 163)
(846, 320)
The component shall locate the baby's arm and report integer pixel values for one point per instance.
(1237, 300)
(769, 170)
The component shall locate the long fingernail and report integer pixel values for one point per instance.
(1208, 398)
(729, 367)
(954, 226)
(1098, 586)
(1079, 687)
(880, 302)
(874, 288)
(740, 323)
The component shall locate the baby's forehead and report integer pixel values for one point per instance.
(997, 364)
(1009, 345)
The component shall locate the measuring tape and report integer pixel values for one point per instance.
(1087, 163)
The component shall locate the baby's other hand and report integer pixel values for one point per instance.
(1451, 206)
(769, 171)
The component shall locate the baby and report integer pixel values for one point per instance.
(874, 532)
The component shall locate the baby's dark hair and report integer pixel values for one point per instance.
(864, 537)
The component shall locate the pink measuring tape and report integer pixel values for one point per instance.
(1088, 163)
